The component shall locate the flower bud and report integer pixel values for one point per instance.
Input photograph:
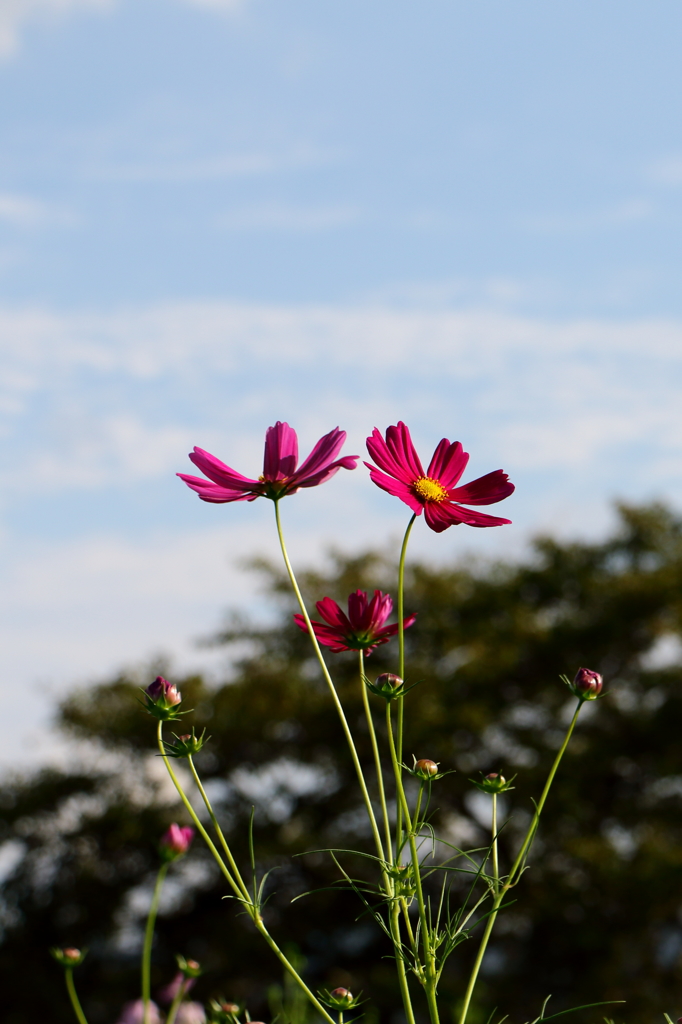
(175, 842)
(587, 684)
(163, 694)
(69, 957)
(387, 685)
(186, 745)
(493, 783)
(342, 998)
(189, 968)
(229, 1007)
(425, 768)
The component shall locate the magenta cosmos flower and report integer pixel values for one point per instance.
(362, 629)
(280, 475)
(434, 492)
(176, 841)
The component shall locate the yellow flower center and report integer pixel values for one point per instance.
(428, 489)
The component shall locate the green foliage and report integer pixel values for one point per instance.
(596, 916)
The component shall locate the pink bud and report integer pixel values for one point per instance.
(587, 684)
(176, 841)
(163, 693)
(71, 953)
(425, 768)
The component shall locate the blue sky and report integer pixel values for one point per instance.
(216, 214)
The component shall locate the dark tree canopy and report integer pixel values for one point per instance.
(597, 916)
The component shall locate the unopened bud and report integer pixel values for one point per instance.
(175, 842)
(69, 957)
(188, 968)
(493, 783)
(341, 997)
(229, 1007)
(162, 693)
(388, 685)
(587, 684)
(425, 768)
(186, 745)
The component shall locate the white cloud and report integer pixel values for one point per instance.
(15, 15)
(26, 212)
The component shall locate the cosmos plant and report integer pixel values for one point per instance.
(409, 898)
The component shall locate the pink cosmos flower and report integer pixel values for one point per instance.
(362, 629)
(280, 475)
(190, 1013)
(434, 492)
(176, 841)
(163, 693)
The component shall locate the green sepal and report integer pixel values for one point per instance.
(186, 747)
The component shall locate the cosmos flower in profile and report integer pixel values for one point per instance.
(362, 629)
(281, 473)
(434, 492)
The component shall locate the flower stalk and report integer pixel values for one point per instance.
(517, 867)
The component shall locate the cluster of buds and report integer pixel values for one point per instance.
(493, 783)
(586, 685)
(162, 700)
(69, 957)
(175, 842)
(339, 999)
(403, 880)
(388, 686)
(186, 745)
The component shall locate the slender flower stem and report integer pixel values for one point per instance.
(377, 758)
(193, 815)
(496, 863)
(430, 980)
(517, 867)
(219, 832)
(246, 898)
(332, 688)
(175, 1005)
(148, 940)
(401, 661)
(400, 963)
(73, 996)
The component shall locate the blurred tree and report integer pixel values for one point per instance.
(597, 916)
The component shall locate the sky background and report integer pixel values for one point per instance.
(464, 214)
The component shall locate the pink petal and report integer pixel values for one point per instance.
(400, 445)
(219, 473)
(380, 607)
(389, 631)
(386, 460)
(208, 491)
(397, 488)
(281, 452)
(448, 463)
(358, 607)
(332, 614)
(327, 635)
(347, 462)
(439, 516)
(486, 490)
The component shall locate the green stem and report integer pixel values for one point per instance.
(148, 940)
(246, 900)
(401, 661)
(516, 867)
(193, 815)
(332, 688)
(219, 833)
(377, 758)
(73, 996)
(496, 863)
(175, 1005)
(430, 980)
(400, 964)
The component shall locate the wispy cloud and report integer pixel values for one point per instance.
(26, 212)
(580, 221)
(16, 15)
